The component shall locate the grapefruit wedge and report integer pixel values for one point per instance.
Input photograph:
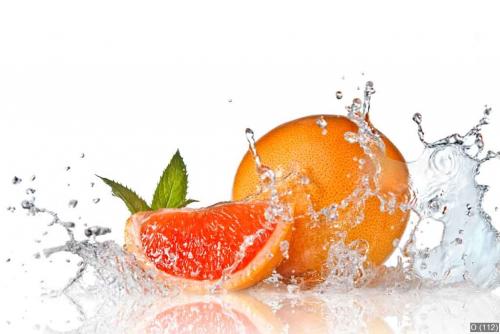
(229, 245)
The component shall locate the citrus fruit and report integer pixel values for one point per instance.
(229, 244)
(332, 165)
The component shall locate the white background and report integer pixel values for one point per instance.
(128, 83)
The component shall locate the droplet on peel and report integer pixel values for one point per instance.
(30, 191)
(339, 95)
(16, 180)
(229, 100)
(73, 203)
(68, 168)
(395, 242)
(322, 123)
(350, 137)
(82, 155)
(284, 246)
(92, 184)
(33, 177)
(96, 200)
(11, 208)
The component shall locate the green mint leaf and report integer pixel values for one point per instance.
(133, 202)
(172, 188)
(187, 202)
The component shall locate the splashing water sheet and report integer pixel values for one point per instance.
(447, 283)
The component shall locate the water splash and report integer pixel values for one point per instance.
(444, 192)
(277, 211)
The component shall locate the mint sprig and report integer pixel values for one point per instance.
(172, 188)
(170, 192)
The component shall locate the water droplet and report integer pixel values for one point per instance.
(92, 184)
(251, 143)
(96, 200)
(322, 123)
(68, 168)
(229, 100)
(33, 177)
(350, 137)
(73, 203)
(16, 180)
(357, 102)
(339, 95)
(304, 180)
(417, 118)
(434, 204)
(395, 242)
(82, 155)
(96, 231)
(67, 224)
(487, 110)
(284, 246)
(369, 88)
(8, 260)
(30, 191)
(26, 204)
(469, 209)
(11, 208)
(458, 241)
(496, 208)
(36, 255)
